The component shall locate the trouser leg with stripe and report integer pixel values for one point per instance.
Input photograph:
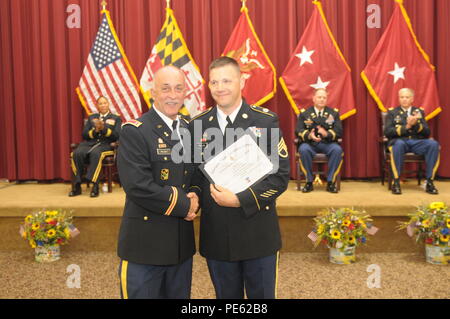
(140, 281)
(335, 157)
(430, 150)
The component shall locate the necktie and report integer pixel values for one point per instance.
(175, 132)
(229, 123)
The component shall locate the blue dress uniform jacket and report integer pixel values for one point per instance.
(108, 135)
(252, 230)
(153, 229)
(395, 127)
(309, 120)
(95, 147)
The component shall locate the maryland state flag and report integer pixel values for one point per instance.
(399, 61)
(171, 49)
(318, 62)
(259, 73)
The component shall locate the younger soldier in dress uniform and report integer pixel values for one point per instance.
(100, 131)
(239, 233)
(408, 131)
(156, 239)
(318, 129)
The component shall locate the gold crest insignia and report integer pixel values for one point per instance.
(165, 174)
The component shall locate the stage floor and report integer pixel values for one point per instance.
(19, 199)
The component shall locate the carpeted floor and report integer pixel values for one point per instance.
(301, 275)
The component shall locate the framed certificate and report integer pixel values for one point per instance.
(239, 166)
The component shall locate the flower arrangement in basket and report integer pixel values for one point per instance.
(46, 230)
(342, 230)
(431, 225)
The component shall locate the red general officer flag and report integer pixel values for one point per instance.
(317, 62)
(259, 73)
(399, 61)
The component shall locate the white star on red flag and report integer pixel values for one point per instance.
(398, 72)
(320, 84)
(305, 56)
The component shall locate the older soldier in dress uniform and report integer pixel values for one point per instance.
(239, 233)
(156, 239)
(408, 131)
(100, 131)
(318, 129)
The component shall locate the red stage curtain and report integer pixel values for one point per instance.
(41, 61)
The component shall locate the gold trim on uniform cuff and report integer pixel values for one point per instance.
(254, 196)
(173, 202)
(333, 133)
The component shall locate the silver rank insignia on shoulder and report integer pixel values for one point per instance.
(244, 116)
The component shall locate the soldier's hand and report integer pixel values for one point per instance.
(411, 121)
(322, 131)
(98, 125)
(194, 207)
(224, 197)
(312, 136)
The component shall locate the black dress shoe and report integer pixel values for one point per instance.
(308, 187)
(331, 187)
(76, 190)
(396, 188)
(430, 188)
(95, 191)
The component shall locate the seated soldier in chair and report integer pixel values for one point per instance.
(408, 131)
(100, 131)
(318, 129)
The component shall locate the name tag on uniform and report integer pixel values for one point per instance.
(163, 151)
(111, 121)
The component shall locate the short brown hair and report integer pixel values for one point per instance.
(223, 61)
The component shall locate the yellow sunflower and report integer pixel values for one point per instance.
(51, 233)
(32, 243)
(444, 238)
(35, 226)
(437, 205)
(335, 234)
(320, 229)
(351, 240)
(52, 213)
(426, 223)
(346, 223)
(448, 223)
(67, 232)
(28, 219)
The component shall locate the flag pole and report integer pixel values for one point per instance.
(104, 4)
(168, 4)
(243, 4)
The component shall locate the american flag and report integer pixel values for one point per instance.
(74, 232)
(171, 49)
(108, 73)
(372, 230)
(313, 236)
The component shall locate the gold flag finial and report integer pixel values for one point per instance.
(104, 4)
(243, 4)
(168, 4)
